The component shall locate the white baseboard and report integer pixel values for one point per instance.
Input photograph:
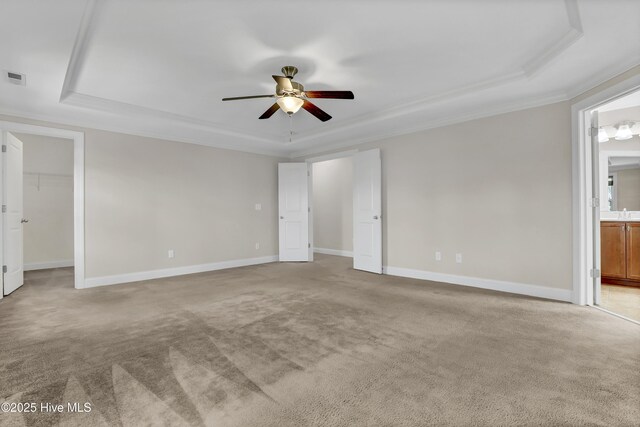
(48, 264)
(333, 252)
(476, 282)
(92, 282)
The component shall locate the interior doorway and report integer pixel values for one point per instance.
(297, 240)
(42, 191)
(606, 201)
(360, 172)
(617, 160)
(48, 201)
(332, 206)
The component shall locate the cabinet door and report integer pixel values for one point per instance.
(612, 249)
(633, 250)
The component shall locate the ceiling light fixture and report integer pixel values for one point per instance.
(290, 104)
(602, 135)
(623, 132)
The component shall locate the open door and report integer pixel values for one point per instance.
(12, 218)
(595, 206)
(367, 211)
(293, 207)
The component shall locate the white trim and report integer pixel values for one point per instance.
(332, 156)
(80, 46)
(336, 252)
(48, 264)
(92, 282)
(476, 282)
(108, 126)
(486, 111)
(581, 186)
(78, 187)
(526, 71)
(604, 76)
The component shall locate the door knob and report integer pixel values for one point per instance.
(281, 217)
(24, 220)
(375, 217)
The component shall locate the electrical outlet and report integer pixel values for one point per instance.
(438, 256)
(459, 258)
(257, 246)
(171, 254)
(258, 207)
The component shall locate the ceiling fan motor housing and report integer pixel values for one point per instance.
(291, 96)
(298, 89)
(289, 71)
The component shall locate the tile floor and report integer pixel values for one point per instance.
(624, 300)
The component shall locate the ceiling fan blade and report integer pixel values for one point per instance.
(275, 107)
(283, 82)
(248, 97)
(316, 111)
(335, 94)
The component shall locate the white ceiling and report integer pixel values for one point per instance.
(159, 67)
(627, 101)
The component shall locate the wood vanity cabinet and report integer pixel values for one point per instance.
(620, 252)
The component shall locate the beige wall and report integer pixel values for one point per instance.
(497, 190)
(333, 204)
(48, 200)
(628, 189)
(144, 196)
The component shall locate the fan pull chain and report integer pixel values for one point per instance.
(290, 128)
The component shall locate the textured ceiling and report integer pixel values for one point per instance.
(160, 68)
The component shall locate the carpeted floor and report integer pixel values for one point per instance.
(311, 344)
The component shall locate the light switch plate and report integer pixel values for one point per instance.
(459, 258)
(438, 256)
(258, 206)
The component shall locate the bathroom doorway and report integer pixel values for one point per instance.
(617, 157)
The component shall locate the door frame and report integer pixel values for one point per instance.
(78, 190)
(582, 175)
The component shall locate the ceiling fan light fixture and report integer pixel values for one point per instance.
(290, 104)
(602, 135)
(623, 132)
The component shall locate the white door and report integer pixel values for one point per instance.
(293, 207)
(602, 198)
(12, 224)
(367, 211)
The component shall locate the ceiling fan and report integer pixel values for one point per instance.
(291, 96)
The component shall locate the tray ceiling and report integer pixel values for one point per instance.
(160, 68)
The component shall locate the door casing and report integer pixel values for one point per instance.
(78, 190)
(582, 178)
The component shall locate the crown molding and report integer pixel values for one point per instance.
(57, 121)
(553, 51)
(603, 76)
(71, 97)
(79, 49)
(111, 106)
(528, 71)
(548, 99)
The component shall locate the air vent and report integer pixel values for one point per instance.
(16, 78)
